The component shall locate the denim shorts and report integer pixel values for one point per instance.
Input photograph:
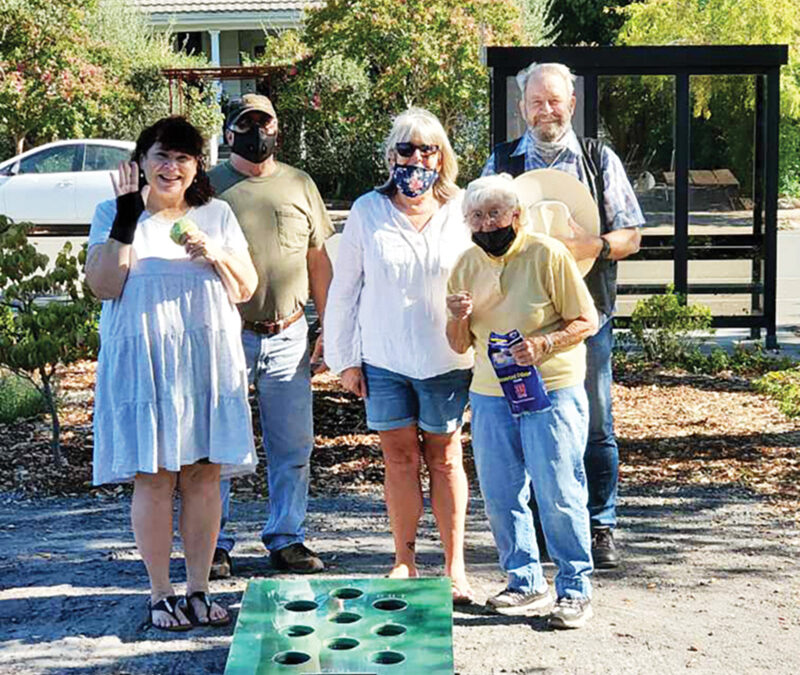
(435, 404)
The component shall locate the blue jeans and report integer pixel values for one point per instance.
(543, 450)
(601, 460)
(279, 368)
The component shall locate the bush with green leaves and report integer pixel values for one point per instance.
(784, 387)
(88, 68)
(47, 319)
(665, 329)
(722, 133)
(18, 398)
(358, 63)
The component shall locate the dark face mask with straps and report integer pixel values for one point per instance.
(255, 145)
(496, 242)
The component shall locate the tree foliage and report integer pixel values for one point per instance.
(723, 106)
(587, 22)
(364, 61)
(72, 68)
(46, 318)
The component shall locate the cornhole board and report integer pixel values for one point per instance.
(366, 626)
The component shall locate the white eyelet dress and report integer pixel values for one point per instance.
(171, 376)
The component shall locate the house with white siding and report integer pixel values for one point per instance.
(224, 30)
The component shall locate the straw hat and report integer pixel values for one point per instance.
(551, 197)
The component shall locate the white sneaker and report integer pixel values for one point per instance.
(571, 612)
(515, 603)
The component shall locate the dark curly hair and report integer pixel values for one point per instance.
(177, 134)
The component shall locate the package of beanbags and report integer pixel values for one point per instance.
(522, 385)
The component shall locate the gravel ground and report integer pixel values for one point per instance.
(709, 583)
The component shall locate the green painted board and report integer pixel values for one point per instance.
(365, 626)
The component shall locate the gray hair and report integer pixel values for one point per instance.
(424, 126)
(500, 187)
(539, 69)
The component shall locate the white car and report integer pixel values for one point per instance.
(60, 183)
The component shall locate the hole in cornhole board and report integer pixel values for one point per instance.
(342, 644)
(390, 604)
(296, 630)
(345, 617)
(291, 658)
(347, 593)
(387, 658)
(389, 629)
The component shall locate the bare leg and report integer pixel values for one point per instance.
(403, 493)
(199, 524)
(449, 495)
(151, 517)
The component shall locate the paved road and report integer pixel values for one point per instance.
(710, 583)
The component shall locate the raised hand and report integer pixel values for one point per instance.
(128, 180)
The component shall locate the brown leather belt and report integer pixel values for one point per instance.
(272, 327)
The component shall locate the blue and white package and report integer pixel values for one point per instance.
(522, 385)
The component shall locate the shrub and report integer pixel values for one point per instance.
(784, 387)
(18, 399)
(45, 319)
(663, 327)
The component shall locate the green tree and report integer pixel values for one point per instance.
(723, 106)
(363, 61)
(46, 318)
(86, 68)
(587, 22)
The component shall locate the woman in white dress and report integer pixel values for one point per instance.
(171, 404)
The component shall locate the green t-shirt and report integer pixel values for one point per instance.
(281, 215)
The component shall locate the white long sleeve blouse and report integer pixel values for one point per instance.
(387, 301)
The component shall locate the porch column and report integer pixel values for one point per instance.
(215, 141)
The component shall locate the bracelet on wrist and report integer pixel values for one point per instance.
(548, 343)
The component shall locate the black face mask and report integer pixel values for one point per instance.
(496, 242)
(255, 145)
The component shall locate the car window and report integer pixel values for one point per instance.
(52, 160)
(104, 158)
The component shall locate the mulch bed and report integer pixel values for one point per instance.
(674, 429)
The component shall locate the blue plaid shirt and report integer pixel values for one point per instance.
(622, 208)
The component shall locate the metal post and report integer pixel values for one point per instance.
(682, 147)
(771, 204)
(590, 105)
(759, 158)
(499, 127)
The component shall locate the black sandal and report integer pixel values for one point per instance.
(188, 610)
(169, 605)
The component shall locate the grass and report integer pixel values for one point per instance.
(18, 398)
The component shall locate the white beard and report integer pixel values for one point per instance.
(550, 149)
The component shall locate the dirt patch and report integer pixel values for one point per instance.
(673, 429)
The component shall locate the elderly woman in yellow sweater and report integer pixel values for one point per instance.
(515, 280)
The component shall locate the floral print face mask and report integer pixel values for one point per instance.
(413, 181)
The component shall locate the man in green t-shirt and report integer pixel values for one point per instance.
(285, 222)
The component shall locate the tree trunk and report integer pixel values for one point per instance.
(49, 399)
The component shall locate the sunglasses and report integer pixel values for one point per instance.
(408, 149)
(246, 123)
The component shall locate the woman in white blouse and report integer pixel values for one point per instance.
(385, 334)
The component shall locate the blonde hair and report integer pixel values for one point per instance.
(417, 124)
(500, 187)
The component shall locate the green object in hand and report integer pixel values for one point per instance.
(180, 228)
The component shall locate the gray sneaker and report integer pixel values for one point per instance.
(515, 603)
(571, 613)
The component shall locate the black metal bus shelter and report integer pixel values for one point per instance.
(761, 61)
